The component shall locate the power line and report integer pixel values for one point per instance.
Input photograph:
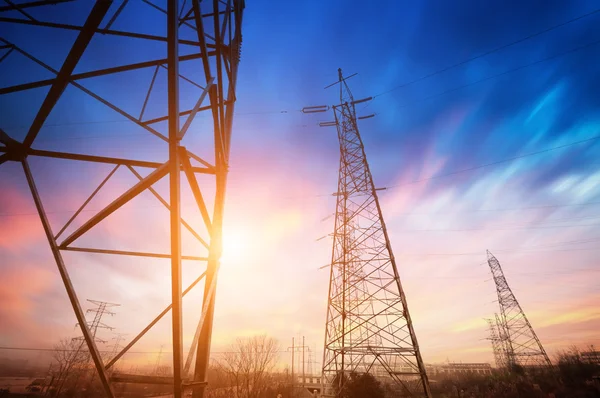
(128, 352)
(494, 163)
(508, 159)
(502, 47)
(499, 229)
(594, 43)
(523, 249)
(505, 209)
(429, 75)
(500, 251)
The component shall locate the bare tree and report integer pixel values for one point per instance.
(70, 358)
(248, 364)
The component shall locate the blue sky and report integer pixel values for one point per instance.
(447, 147)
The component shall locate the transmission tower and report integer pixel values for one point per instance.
(521, 344)
(368, 326)
(131, 59)
(100, 310)
(497, 342)
(117, 338)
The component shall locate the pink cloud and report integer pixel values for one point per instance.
(21, 288)
(20, 228)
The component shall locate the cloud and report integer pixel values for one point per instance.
(471, 324)
(21, 289)
(20, 228)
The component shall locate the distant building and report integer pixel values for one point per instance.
(590, 357)
(308, 379)
(311, 384)
(457, 368)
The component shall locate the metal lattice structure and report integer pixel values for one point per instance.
(497, 342)
(201, 36)
(99, 311)
(368, 327)
(521, 344)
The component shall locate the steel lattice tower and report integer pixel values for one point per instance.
(368, 327)
(164, 38)
(521, 344)
(497, 342)
(100, 310)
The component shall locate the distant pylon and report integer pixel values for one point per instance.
(368, 327)
(522, 346)
(118, 338)
(497, 342)
(100, 309)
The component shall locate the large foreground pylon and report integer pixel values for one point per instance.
(368, 327)
(122, 53)
(520, 343)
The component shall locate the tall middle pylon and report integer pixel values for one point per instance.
(368, 327)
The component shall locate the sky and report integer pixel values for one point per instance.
(499, 152)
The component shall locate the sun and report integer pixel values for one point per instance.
(235, 246)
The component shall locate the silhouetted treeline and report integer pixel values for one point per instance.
(573, 377)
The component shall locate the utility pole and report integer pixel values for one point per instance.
(303, 374)
(521, 344)
(368, 325)
(295, 348)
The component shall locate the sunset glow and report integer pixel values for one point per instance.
(479, 141)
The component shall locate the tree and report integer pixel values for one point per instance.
(363, 385)
(574, 370)
(70, 358)
(248, 363)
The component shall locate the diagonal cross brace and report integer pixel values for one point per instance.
(62, 80)
(191, 177)
(80, 315)
(195, 110)
(117, 203)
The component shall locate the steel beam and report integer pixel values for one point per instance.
(105, 159)
(33, 4)
(164, 202)
(98, 72)
(116, 14)
(222, 130)
(205, 309)
(187, 168)
(174, 190)
(130, 253)
(17, 7)
(62, 79)
(87, 201)
(146, 379)
(195, 110)
(117, 203)
(154, 322)
(62, 269)
(102, 31)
